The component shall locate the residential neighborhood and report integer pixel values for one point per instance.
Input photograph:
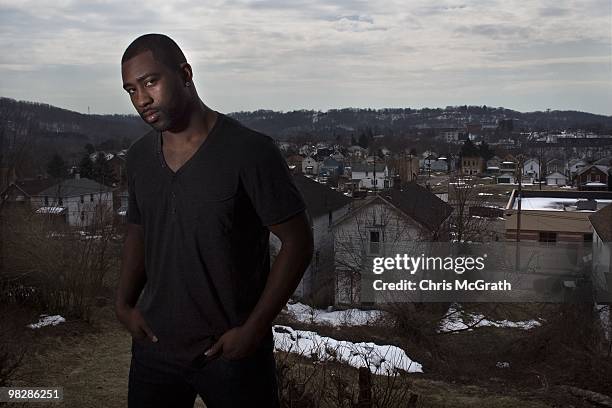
(448, 181)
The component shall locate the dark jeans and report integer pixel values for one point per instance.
(221, 383)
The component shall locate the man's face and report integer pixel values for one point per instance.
(156, 92)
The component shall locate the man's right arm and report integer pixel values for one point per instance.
(131, 282)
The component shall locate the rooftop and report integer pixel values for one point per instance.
(602, 223)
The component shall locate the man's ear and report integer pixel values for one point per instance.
(186, 72)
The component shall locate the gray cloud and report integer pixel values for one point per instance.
(497, 31)
(319, 53)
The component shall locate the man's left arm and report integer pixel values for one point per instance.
(285, 275)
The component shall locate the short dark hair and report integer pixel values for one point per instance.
(163, 48)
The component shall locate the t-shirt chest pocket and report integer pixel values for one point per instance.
(213, 205)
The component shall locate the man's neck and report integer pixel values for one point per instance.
(199, 122)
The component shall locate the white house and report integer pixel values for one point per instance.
(310, 166)
(387, 224)
(80, 201)
(602, 261)
(370, 176)
(324, 206)
(531, 169)
(556, 179)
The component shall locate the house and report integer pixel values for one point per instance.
(331, 167)
(451, 136)
(575, 165)
(372, 176)
(310, 166)
(406, 167)
(592, 177)
(294, 162)
(602, 253)
(383, 225)
(554, 216)
(604, 161)
(506, 178)
(493, 165)
(19, 193)
(357, 152)
(472, 165)
(79, 201)
(324, 206)
(555, 165)
(556, 179)
(439, 165)
(531, 169)
(507, 171)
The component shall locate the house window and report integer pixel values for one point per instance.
(588, 237)
(82, 215)
(60, 201)
(82, 199)
(374, 242)
(91, 198)
(46, 200)
(546, 236)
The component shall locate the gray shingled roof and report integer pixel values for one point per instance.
(319, 198)
(603, 169)
(602, 222)
(74, 187)
(420, 204)
(380, 167)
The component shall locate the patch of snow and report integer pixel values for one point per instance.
(502, 364)
(50, 210)
(456, 319)
(383, 360)
(46, 320)
(350, 317)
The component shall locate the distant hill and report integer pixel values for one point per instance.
(404, 120)
(48, 129)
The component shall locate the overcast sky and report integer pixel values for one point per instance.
(300, 54)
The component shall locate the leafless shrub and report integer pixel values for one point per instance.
(52, 266)
(320, 380)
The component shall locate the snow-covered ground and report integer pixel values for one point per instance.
(383, 360)
(349, 317)
(457, 319)
(46, 320)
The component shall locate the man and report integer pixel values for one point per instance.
(204, 192)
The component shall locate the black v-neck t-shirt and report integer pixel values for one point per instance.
(206, 243)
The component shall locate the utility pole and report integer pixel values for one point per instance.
(519, 197)
(374, 181)
(519, 172)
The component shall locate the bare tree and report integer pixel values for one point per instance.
(471, 209)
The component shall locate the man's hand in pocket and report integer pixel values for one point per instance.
(132, 319)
